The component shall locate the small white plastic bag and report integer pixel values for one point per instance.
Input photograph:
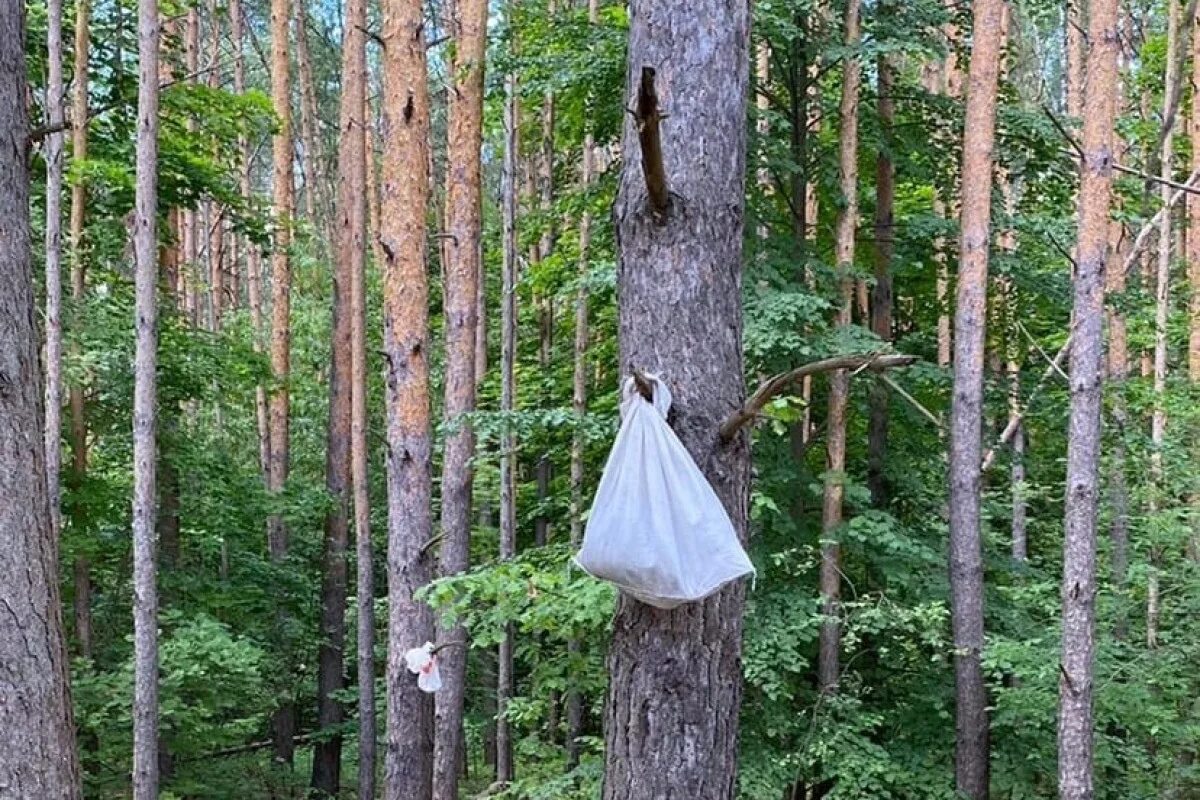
(657, 530)
(422, 661)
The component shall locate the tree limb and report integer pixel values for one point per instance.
(774, 386)
(648, 116)
(1015, 420)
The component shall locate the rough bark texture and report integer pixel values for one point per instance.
(405, 197)
(464, 222)
(1075, 719)
(145, 399)
(966, 412)
(53, 324)
(829, 656)
(331, 659)
(1193, 268)
(283, 722)
(881, 295)
(79, 140)
(508, 351)
(311, 162)
(1075, 50)
(37, 738)
(675, 689)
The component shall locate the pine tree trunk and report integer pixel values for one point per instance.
(79, 114)
(463, 247)
(215, 226)
(37, 737)
(881, 300)
(829, 655)
(145, 399)
(508, 350)
(54, 338)
(1076, 49)
(966, 414)
(1075, 716)
(311, 162)
(671, 719)
(405, 199)
(191, 217)
(327, 753)
(1162, 310)
(1193, 271)
(283, 721)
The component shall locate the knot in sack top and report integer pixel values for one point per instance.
(631, 395)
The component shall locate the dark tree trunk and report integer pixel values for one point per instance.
(966, 414)
(37, 744)
(671, 720)
(881, 295)
(1075, 713)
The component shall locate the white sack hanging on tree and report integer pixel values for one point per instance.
(657, 530)
(422, 661)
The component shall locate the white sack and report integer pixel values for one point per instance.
(657, 530)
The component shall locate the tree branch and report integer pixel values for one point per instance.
(1015, 420)
(648, 116)
(774, 386)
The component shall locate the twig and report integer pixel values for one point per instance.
(1015, 420)
(1151, 226)
(898, 389)
(1053, 364)
(773, 386)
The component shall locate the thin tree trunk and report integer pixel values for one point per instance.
(881, 300)
(79, 140)
(37, 744)
(464, 224)
(215, 226)
(829, 655)
(1076, 47)
(283, 721)
(671, 720)
(54, 337)
(145, 247)
(966, 414)
(1118, 373)
(327, 752)
(1075, 719)
(311, 162)
(409, 759)
(579, 387)
(1193, 272)
(508, 444)
(1162, 309)
(191, 218)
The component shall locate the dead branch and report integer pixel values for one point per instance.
(775, 385)
(1015, 420)
(648, 116)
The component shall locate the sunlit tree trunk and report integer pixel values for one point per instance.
(79, 140)
(145, 399)
(405, 199)
(283, 721)
(1162, 310)
(464, 224)
(966, 413)
(829, 656)
(671, 719)
(37, 737)
(327, 753)
(1075, 720)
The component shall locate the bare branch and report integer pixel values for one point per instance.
(776, 385)
(1015, 420)
(648, 116)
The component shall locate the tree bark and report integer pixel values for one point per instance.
(1193, 270)
(191, 218)
(145, 247)
(283, 721)
(1075, 719)
(881, 299)
(311, 162)
(214, 216)
(54, 182)
(405, 198)
(79, 140)
(327, 751)
(464, 224)
(37, 742)
(508, 444)
(829, 655)
(671, 720)
(1076, 47)
(966, 414)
